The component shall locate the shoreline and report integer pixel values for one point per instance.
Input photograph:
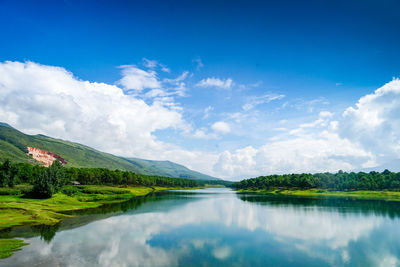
(17, 210)
(357, 194)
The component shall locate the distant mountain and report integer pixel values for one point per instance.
(167, 168)
(13, 145)
(393, 165)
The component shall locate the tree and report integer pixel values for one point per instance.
(8, 174)
(4, 178)
(50, 180)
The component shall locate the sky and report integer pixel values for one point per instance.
(233, 89)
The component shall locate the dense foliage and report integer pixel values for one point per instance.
(341, 181)
(47, 181)
(117, 177)
(8, 174)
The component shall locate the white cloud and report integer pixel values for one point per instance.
(152, 64)
(165, 69)
(201, 134)
(179, 86)
(218, 128)
(216, 82)
(306, 105)
(178, 79)
(374, 122)
(42, 99)
(221, 127)
(258, 100)
(318, 231)
(49, 100)
(137, 79)
(323, 120)
(365, 136)
(222, 253)
(207, 111)
(312, 147)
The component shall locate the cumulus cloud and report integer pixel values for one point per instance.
(312, 147)
(42, 99)
(138, 79)
(216, 82)
(49, 100)
(374, 122)
(308, 153)
(221, 127)
(217, 129)
(365, 136)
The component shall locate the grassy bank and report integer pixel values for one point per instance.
(8, 246)
(361, 194)
(17, 208)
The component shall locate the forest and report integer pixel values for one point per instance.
(340, 181)
(47, 181)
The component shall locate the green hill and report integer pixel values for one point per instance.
(167, 168)
(13, 145)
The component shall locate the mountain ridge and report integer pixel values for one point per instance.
(14, 143)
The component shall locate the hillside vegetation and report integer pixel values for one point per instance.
(13, 145)
(341, 181)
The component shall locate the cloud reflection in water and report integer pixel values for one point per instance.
(222, 229)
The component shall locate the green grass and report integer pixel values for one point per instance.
(16, 190)
(8, 151)
(361, 194)
(18, 210)
(8, 246)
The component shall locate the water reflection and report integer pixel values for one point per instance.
(220, 228)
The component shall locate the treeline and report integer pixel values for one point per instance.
(341, 181)
(47, 181)
(117, 177)
(219, 182)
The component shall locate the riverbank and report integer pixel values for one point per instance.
(19, 209)
(361, 194)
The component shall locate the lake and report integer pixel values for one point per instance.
(218, 227)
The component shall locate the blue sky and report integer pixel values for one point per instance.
(252, 73)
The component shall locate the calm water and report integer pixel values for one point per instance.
(218, 227)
